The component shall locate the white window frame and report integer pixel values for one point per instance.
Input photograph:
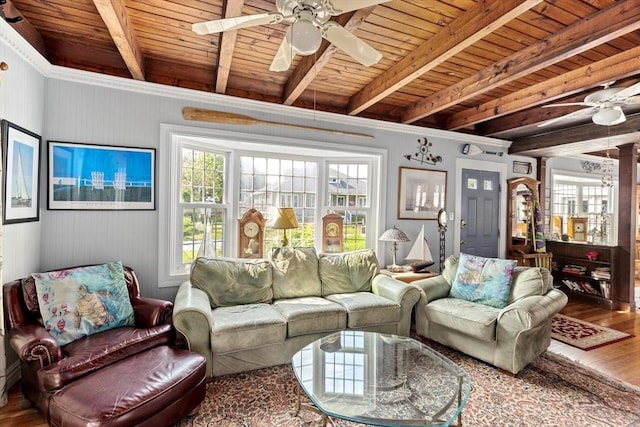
(237, 144)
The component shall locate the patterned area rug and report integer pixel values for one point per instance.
(583, 335)
(551, 391)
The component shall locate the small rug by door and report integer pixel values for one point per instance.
(583, 335)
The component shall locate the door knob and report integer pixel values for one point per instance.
(463, 223)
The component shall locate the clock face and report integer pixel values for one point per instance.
(332, 229)
(251, 229)
(579, 227)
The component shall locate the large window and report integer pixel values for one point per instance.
(578, 196)
(213, 181)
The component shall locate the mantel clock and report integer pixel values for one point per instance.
(251, 234)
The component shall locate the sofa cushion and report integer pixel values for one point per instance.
(233, 281)
(99, 350)
(528, 281)
(310, 315)
(83, 301)
(467, 317)
(348, 272)
(246, 326)
(367, 309)
(483, 280)
(295, 272)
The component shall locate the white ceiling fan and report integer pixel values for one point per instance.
(309, 20)
(604, 106)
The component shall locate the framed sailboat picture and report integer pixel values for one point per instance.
(21, 167)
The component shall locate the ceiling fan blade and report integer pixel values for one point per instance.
(350, 44)
(570, 104)
(284, 56)
(220, 25)
(583, 112)
(338, 7)
(628, 92)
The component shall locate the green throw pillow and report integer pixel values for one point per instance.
(483, 280)
(83, 301)
(348, 272)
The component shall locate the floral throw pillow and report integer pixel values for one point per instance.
(82, 301)
(483, 280)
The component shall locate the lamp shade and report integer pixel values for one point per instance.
(394, 235)
(304, 37)
(609, 116)
(283, 219)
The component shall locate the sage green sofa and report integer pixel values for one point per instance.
(508, 338)
(244, 314)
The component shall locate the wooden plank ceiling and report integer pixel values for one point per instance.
(482, 67)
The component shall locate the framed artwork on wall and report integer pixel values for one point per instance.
(421, 193)
(21, 174)
(100, 177)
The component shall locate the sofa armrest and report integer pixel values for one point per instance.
(33, 343)
(395, 290)
(433, 288)
(151, 312)
(402, 293)
(192, 318)
(531, 311)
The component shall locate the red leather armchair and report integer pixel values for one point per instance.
(46, 367)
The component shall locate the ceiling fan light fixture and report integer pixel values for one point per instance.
(304, 37)
(609, 116)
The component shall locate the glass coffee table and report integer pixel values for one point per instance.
(378, 379)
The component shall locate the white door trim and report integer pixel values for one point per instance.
(501, 168)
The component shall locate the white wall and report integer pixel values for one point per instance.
(22, 103)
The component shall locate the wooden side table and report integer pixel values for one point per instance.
(408, 276)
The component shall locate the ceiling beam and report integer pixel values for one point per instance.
(477, 22)
(232, 9)
(578, 139)
(621, 65)
(24, 28)
(116, 18)
(612, 22)
(310, 66)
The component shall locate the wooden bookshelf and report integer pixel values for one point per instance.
(579, 282)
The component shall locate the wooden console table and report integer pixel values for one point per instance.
(408, 276)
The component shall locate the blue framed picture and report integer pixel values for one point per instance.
(100, 177)
(21, 172)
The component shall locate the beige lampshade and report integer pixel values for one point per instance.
(394, 235)
(283, 219)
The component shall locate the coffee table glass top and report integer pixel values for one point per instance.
(379, 379)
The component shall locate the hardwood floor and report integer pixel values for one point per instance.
(619, 360)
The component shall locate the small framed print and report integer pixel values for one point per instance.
(421, 193)
(21, 172)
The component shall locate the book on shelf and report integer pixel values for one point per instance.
(574, 269)
(601, 273)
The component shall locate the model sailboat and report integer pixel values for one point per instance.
(419, 256)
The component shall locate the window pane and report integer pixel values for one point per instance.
(348, 189)
(202, 177)
(195, 237)
(281, 183)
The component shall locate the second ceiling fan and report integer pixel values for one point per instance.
(309, 24)
(604, 106)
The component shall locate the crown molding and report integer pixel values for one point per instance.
(303, 116)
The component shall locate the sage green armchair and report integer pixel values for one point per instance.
(508, 338)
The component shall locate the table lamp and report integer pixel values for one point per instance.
(394, 235)
(283, 219)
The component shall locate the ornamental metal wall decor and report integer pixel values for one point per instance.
(424, 155)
